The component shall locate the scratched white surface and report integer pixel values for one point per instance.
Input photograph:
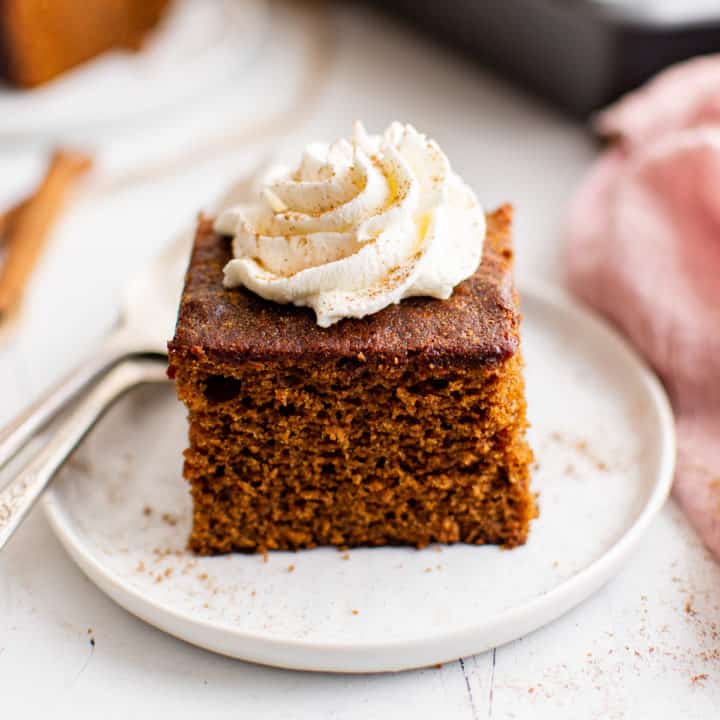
(646, 645)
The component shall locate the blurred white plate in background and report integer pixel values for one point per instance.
(200, 44)
(602, 432)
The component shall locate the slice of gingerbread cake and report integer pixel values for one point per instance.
(370, 402)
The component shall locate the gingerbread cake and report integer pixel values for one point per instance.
(406, 426)
(40, 39)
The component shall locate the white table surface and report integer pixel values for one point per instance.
(647, 645)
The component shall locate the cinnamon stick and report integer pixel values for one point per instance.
(29, 228)
(8, 218)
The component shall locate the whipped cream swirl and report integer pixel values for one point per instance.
(358, 225)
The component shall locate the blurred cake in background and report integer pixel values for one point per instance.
(40, 39)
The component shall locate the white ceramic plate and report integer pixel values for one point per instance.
(603, 435)
(200, 43)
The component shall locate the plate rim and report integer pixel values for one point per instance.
(435, 647)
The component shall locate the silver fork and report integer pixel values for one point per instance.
(18, 498)
(133, 353)
(145, 325)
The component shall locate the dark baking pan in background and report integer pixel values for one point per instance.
(579, 54)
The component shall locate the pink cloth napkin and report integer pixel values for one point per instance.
(643, 248)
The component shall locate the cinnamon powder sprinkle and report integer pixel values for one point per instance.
(699, 679)
(169, 519)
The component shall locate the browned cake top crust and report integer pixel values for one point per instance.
(477, 324)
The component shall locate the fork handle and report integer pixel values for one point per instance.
(25, 426)
(18, 498)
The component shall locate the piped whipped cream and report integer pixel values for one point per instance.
(356, 226)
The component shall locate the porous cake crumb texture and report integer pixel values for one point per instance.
(352, 453)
